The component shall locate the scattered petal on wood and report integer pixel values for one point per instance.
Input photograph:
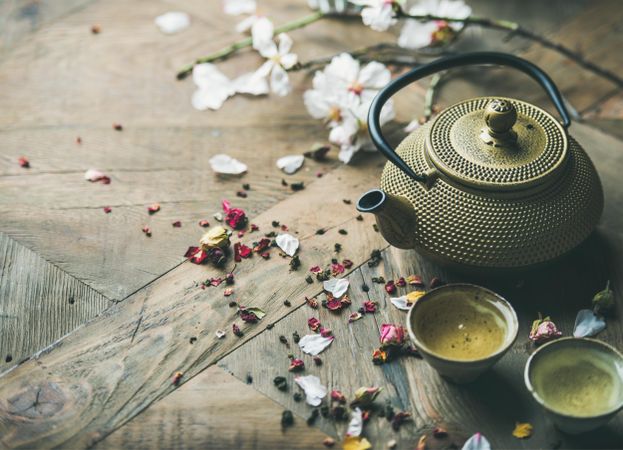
(356, 443)
(355, 426)
(172, 22)
(152, 209)
(23, 162)
(314, 390)
(406, 301)
(313, 344)
(222, 163)
(336, 286)
(288, 243)
(147, 231)
(522, 430)
(177, 224)
(107, 209)
(588, 324)
(477, 442)
(94, 175)
(291, 163)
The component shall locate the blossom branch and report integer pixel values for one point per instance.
(247, 42)
(515, 29)
(429, 98)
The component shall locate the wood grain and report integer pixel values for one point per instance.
(214, 411)
(116, 365)
(39, 303)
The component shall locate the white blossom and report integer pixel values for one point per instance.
(416, 34)
(262, 30)
(346, 73)
(278, 60)
(377, 14)
(237, 7)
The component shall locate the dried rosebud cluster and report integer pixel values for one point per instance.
(364, 396)
(393, 345)
(234, 217)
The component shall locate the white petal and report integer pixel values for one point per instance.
(342, 69)
(314, 391)
(209, 98)
(374, 75)
(379, 18)
(172, 22)
(262, 33)
(454, 9)
(279, 81)
(246, 24)
(336, 286)
(588, 324)
(288, 60)
(207, 75)
(477, 442)
(314, 344)
(220, 334)
(94, 175)
(288, 243)
(252, 83)
(285, 43)
(236, 7)
(291, 163)
(316, 104)
(265, 69)
(401, 303)
(416, 34)
(347, 152)
(355, 426)
(412, 126)
(222, 163)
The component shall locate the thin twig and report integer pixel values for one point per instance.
(429, 98)
(518, 30)
(247, 42)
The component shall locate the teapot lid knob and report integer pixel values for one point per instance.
(500, 116)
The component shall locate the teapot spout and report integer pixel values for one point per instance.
(395, 216)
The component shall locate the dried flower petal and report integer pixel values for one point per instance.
(588, 324)
(401, 282)
(337, 269)
(314, 390)
(177, 224)
(196, 255)
(400, 418)
(313, 344)
(215, 237)
(313, 323)
(355, 426)
(315, 269)
(328, 442)
(522, 430)
(390, 287)
(94, 175)
(220, 334)
(296, 365)
(406, 301)
(177, 377)
(153, 208)
(356, 443)
(338, 396)
(421, 444)
(227, 292)
(288, 243)
(336, 286)
(107, 209)
(236, 330)
(347, 263)
(204, 223)
(251, 315)
(146, 230)
(543, 330)
(440, 432)
(415, 280)
(369, 306)
(477, 442)
(354, 316)
(23, 162)
(379, 356)
(364, 396)
(291, 163)
(312, 302)
(325, 332)
(222, 163)
(262, 245)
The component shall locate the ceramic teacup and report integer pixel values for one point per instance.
(579, 382)
(461, 330)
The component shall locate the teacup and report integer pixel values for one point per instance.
(462, 330)
(578, 381)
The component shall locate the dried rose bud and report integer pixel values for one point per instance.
(147, 231)
(287, 419)
(400, 418)
(603, 301)
(317, 360)
(236, 330)
(152, 209)
(392, 335)
(338, 396)
(229, 278)
(107, 209)
(435, 282)
(313, 323)
(369, 306)
(281, 383)
(543, 330)
(215, 237)
(296, 365)
(401, 282)
(177, 378)
(227, 292)
(364, 396)
(333, 304)
(379, 356)
(312, 302)
(235, 217)
(204, 223)
(216, 256)
(23, 162)
(390, 287)
(415, 280)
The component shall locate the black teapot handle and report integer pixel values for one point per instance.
(502, 59)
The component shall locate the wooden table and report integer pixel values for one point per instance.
(96, 318)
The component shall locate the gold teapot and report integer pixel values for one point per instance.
(490, 183)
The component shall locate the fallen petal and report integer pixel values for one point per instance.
(477, 442)
(313, 344)
(291, 163)
(356, 443)
(288, 243)
(336, 286)
(222, 163)
(588, 324)
(522, 430)
(314, 390)
(220, 334)
(355, 426)
(401, 303)
(172, 22)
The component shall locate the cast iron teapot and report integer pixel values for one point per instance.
(490, 183)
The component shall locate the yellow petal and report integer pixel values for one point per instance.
(356, 443)
(522, 430)
(414, 296)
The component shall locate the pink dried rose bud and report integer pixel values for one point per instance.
(338, 396)
(234, 217)
(314, 324)
(107, 209)
(392, 335)
(296, 365)
(390, 287)
(23, 162)
(364, 396)
(401, 282)
(369, 306)
(543, 330)
(152, 209)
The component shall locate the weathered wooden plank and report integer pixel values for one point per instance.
(39, 303)
(214, 411)
(116, 365)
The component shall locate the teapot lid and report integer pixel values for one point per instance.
(497, 143)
